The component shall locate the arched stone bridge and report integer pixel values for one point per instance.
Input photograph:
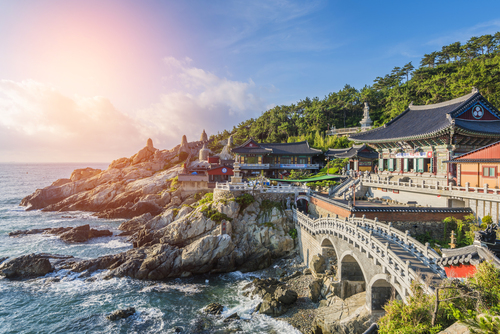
(385, 258)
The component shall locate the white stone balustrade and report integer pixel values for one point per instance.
(360, 232)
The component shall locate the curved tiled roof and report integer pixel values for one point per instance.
(299, 148)
(428, 120)
(355, 150)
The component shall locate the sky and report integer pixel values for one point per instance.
(92, 80)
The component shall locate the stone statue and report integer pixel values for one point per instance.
(366, 122)
(203, 136)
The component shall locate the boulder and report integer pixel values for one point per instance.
(315, 290)
(84, 233)
(26, 266)
(285, 296)
(347, 316)
(121, 314)
(317, 263)
(214, 309)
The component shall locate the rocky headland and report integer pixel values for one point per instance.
(173, 234)
(178, 234)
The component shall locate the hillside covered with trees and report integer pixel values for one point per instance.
(442, 75)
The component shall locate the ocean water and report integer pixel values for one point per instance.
(65, 302)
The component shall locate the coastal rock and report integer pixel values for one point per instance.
(121, 314)
(276, 297)
(135, 224)
(83, 233)
(130, 211)
(120, 163)
(122, 183)
(201, 256)
(60, 182)
(83, 173)
(214, 309)
(27, 266)
(317, 264)
(349, 316)
(315, 290)
(69, 234)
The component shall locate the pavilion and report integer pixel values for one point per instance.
(423, 137)
(274, 158)
(361, 157)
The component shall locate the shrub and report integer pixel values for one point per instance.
(293, 233)
(209, 197)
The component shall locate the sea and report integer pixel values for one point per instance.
(66, 302)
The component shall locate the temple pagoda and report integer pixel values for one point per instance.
(423, 137)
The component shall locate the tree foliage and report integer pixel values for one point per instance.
(443, 75)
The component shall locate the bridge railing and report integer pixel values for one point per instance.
(245, 186)
(467, 191)
(362, 235)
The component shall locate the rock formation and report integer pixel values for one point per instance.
(276, 297)
(187, 241)
(26, 266)
(172, 235)
(121, 314)
(69, 234)
(114, 191)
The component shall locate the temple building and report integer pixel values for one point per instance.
(361, 157)
(274, 158)
(423, 137)
(480, 167)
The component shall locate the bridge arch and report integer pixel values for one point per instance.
(380, 290)
(350, 268)
(330, 253)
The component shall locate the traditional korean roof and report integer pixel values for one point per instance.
(361, 151)
(474, 254)
(251, 147)
(299, 148)
(425, 121)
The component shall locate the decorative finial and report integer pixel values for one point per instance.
(411, 104)
(475, 90)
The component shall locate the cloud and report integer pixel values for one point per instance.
(39, 123)
(199, 100)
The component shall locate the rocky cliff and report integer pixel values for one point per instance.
(173, 236)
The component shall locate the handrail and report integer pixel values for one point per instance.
(361, 231)
(466, 191)
(244, 186)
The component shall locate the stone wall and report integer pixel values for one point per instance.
(320, 208)
(308, 245)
